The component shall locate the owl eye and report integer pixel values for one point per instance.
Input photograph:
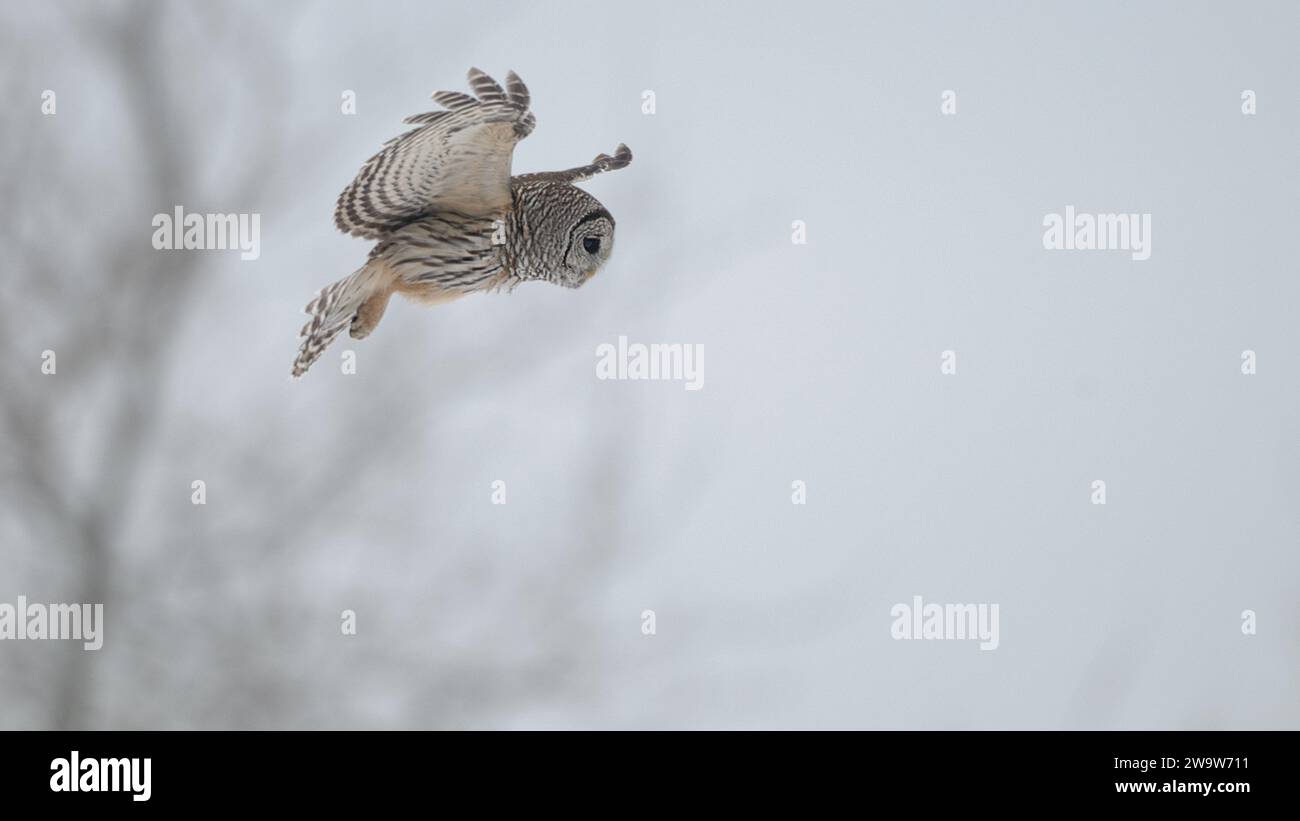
(591, 245)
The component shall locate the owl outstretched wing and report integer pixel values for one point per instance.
(602, 163)
(458, 159)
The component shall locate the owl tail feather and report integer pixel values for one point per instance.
(335, 308)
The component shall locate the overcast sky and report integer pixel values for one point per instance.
(822, 364)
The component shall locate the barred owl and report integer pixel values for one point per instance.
(449, 219)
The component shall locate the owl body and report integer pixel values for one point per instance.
(449, 219)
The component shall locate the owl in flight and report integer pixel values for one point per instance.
(449, 219)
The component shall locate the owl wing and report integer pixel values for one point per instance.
(602, 163)
(457, 160)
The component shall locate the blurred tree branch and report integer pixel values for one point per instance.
(80, 446)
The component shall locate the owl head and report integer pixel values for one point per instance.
(590, 244)
(570, 234)
(586, 233)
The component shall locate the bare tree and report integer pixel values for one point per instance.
(206, 632)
